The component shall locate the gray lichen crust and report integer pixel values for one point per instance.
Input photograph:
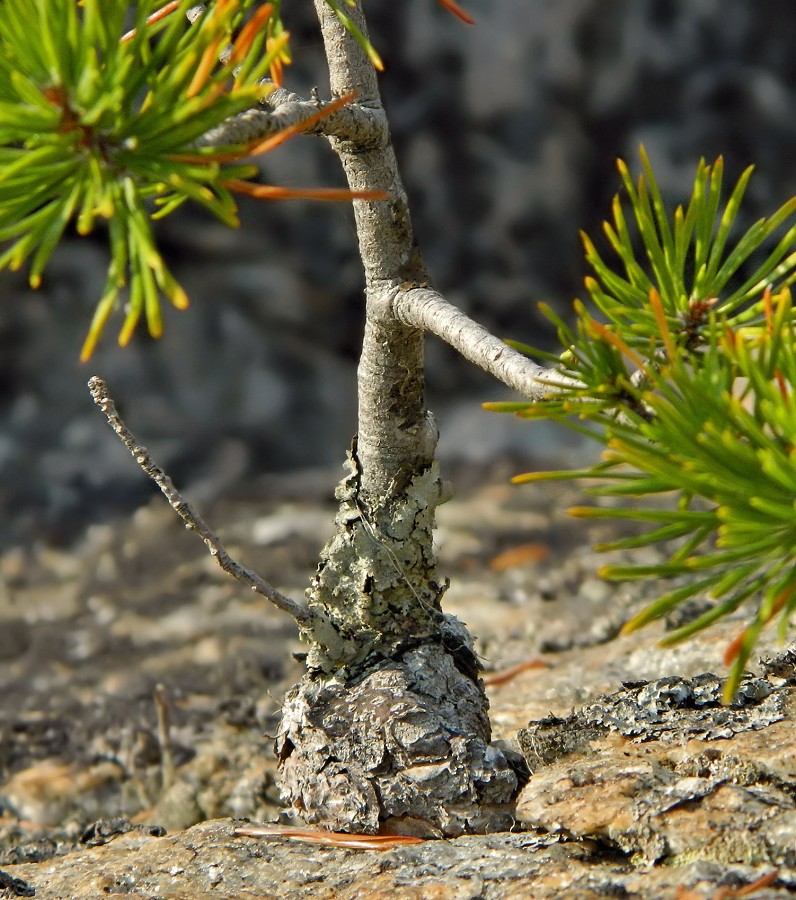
(376, 590)
(671, 709)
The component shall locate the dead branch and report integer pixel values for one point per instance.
(163, 712)
(193, 521)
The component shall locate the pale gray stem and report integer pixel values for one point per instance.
(427, 309)
(390, 723)
(396, 439)
(193, 521)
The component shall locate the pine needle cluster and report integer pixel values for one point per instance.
(683, 368)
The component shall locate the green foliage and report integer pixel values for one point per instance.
(100, 124)
(94, 125)
(688, 383)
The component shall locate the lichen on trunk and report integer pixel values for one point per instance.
(390, 724)
(376, 583)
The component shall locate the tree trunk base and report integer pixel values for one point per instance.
(404, 745)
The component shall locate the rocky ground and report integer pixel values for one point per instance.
(141, 689)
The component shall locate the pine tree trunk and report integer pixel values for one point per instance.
(390, 724)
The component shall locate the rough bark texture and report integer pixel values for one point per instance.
(282, 109)
(407, 745)
(390, 723)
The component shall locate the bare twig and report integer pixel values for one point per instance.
(193, 521)
(164, 737)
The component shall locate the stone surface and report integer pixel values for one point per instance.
(663, 771)
(208, 860)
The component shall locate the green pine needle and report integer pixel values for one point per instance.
(92, 126)
(688, 379)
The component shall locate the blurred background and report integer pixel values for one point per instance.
(506, 133)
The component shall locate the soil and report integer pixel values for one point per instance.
(140, 692)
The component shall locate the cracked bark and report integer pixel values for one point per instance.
(390, 724)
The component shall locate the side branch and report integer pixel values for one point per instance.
(193, 521)
(356, 123)
(425, 308)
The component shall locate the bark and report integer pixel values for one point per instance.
(425, 308)
(390, 723)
